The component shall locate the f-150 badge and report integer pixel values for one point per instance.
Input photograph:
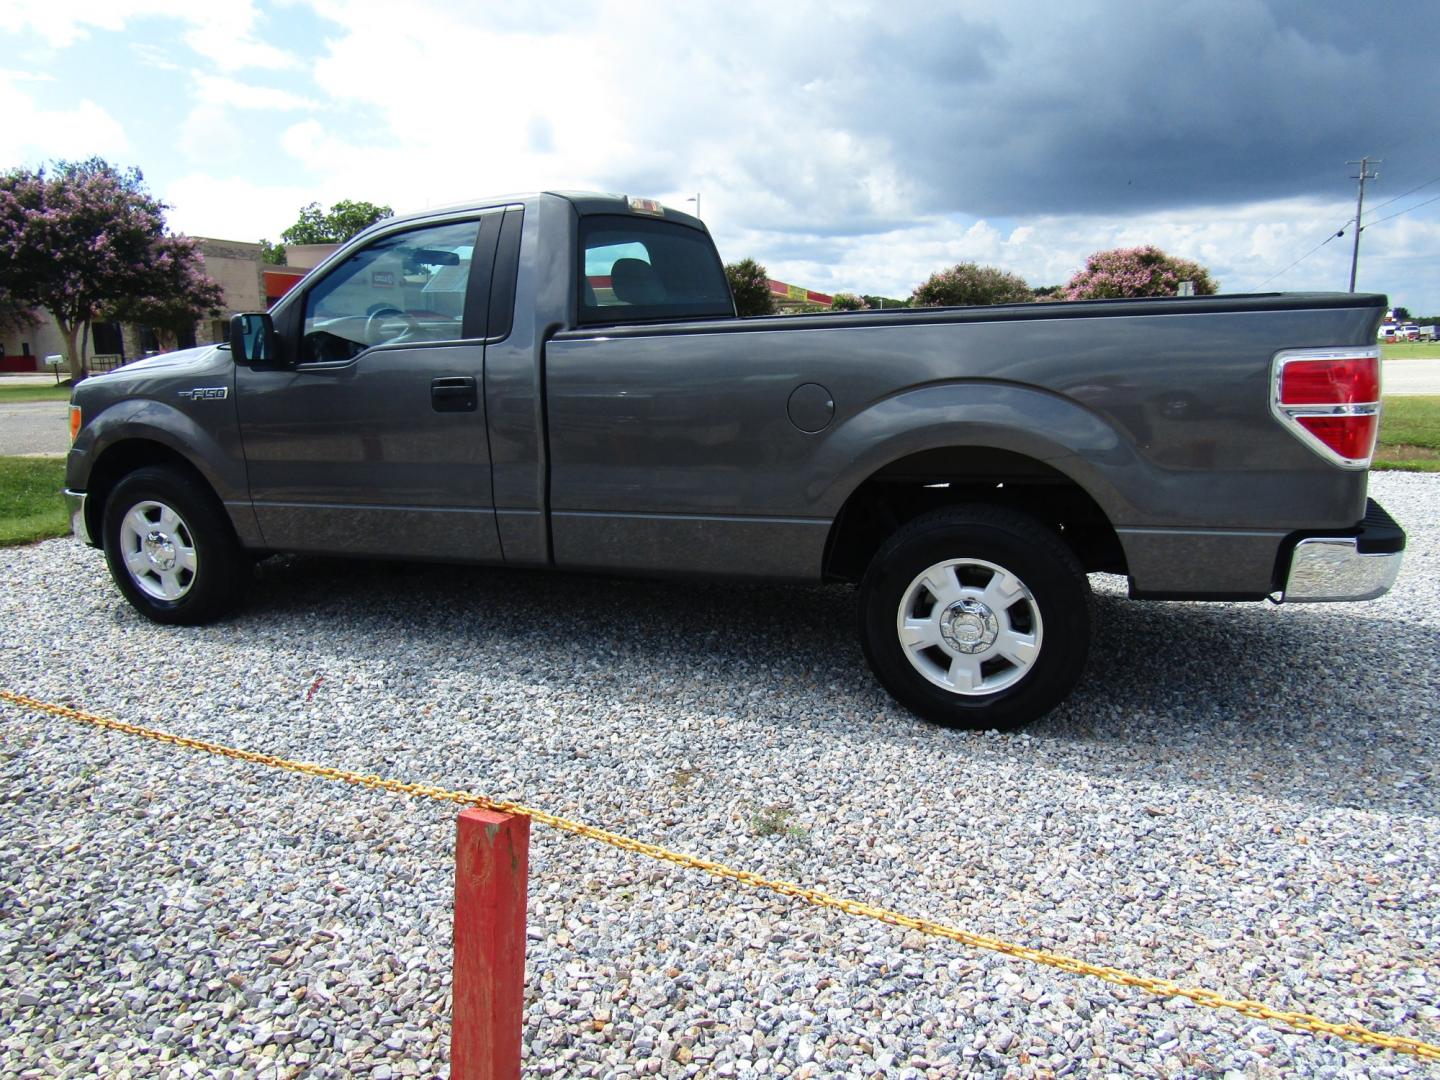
(206, 393)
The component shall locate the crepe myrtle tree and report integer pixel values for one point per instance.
(750, 283)
(84, 240)
(845, 301)
(968, 283)
(1137, 271)
(179, 294)
(16, 316)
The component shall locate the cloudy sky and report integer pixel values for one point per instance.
(855, 146)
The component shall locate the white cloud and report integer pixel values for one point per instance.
(34, 134)
(234, 208)
(847, 147)
(221, 31)
(154, 56)
(233, 94)
(1243, 246)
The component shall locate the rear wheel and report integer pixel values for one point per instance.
(171, 549)
(976, 617)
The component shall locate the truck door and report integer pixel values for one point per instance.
(371, 439)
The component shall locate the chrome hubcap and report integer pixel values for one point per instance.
(969, 626)
(158, 550)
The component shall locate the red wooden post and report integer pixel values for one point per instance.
(492, 868)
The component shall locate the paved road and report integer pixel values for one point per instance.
(1412, 376)
(34, 427)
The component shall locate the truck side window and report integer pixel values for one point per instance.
(637, 270)
(407, 287)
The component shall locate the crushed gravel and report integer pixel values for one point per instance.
(1240, 796)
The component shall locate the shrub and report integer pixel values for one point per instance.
(967, 284)
(1140, 271)
(750, 282)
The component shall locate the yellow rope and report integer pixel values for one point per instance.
(1161, 987)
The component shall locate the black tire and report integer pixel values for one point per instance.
(187, 568)
(1044, 627)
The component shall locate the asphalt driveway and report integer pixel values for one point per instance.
(33, 427)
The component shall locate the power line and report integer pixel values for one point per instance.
(1368, 225)
(1341, 231)
(1297, 262)
(1402, 213)
(1402, 195)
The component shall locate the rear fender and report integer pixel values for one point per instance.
(1001, 416)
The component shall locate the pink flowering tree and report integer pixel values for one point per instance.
(967, 284)
(750, 285)
(1140, 271)
(85, 241)
(16, 316)
(846, 301)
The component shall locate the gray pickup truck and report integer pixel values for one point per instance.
(560, 380)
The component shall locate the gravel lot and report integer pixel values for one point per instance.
(1241, 796)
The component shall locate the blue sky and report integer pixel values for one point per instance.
(845, 145)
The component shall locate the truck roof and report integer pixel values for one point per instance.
(584, 202)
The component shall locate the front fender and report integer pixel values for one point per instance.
(1003, 416)
(153, 421)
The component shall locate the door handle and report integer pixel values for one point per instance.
(454, 394)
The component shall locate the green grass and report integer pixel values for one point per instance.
(31, 505)
(22, 392)
(1411, 350)
(1410, 434)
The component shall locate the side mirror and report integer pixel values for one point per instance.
(252, 338)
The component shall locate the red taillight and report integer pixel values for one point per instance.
(1353, 380)
(1352, 437)
(1331, 401)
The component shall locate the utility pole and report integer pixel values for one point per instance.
(1365, 174)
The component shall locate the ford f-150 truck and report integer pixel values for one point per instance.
(560, 380)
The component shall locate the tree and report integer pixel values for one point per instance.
(336, 225)
(750, 282)
(967, 284)
(16, 316)
(1140, 271)
(84, 240)
(845, 301)
(179, 293)
(1402, 314)
(272, 254)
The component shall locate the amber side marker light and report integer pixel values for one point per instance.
(74, 422)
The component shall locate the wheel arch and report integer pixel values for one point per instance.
(123, 457)
(926, 480)
(979, 442)
(137, 432)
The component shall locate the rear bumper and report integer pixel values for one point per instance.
(1352, 564)
(75, 503)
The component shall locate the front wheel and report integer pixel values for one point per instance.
(171, 549)
(976, 617)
